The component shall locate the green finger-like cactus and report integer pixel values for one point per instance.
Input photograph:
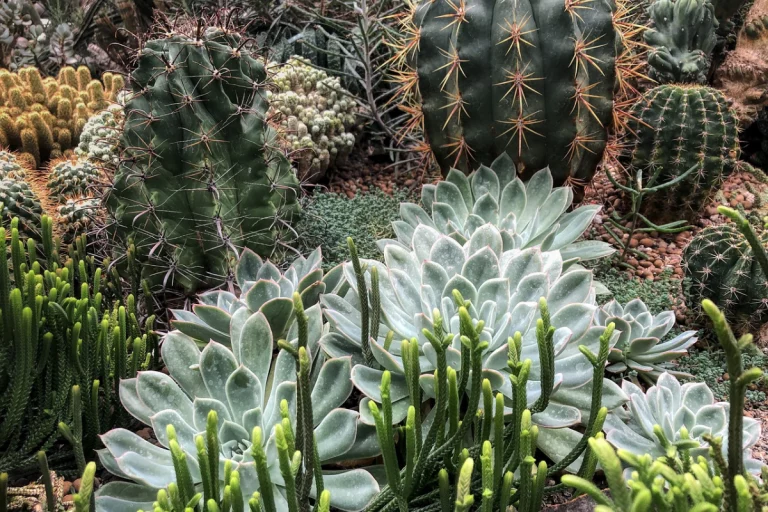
(72, 177)
(317, 116)
(682, 39)
(198, 181)
(534, 79)
(678, 127)
(19, 200)
(721, 267)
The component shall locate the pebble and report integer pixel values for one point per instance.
(648, 242)
(658, 264)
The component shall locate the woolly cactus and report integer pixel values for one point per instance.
(10, 167)
(44, 117)
(682, 39)
(680, 127)
(534, 80)
(721, 267)
(640, 347)
(200, 182)
(19, 200)
(527, 215)
(72, 177)
(317, 116)
(672, 407)
(100, 137)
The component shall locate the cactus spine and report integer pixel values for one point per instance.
(682, 39)
(678, 127)
(534, 79)
(199, 180)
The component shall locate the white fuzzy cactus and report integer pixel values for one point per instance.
(100, 136)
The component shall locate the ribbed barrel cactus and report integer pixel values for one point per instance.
(678, 128)
(526, 214)
(640, 347)
(17, 199)
(77, 216)
(199, 180)
(533, 79)
(674, 406)
(681, 40)
(73, 177)
(245, 386)
(263, 288)
(503, 289)
(316, 116)
(721, 267)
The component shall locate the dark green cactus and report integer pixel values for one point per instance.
(682, 39)
(199, 179)
(722, 267)
(19, 200)
(72, 177)
(678, 127)
(534, 79)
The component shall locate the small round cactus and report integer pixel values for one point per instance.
(316, 116)
(76, 216)
(10, 167)
(101, 135)
(72, 177)
(19, 200)
(721, 267)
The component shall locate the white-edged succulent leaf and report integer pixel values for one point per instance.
(672, 405)
(640, 347)
(263, 287)
(504, 289)
(527, 214)
(244, 384)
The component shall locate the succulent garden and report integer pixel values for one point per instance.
(371, 255)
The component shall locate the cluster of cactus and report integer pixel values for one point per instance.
(43, 117)
(100, 137)
(541, 81)
(686, 133)
(201, 181)
(726, 267)
(64, 331)
(316, 116)
(681, 40)
(676, 476)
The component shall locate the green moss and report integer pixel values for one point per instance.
(659, 295)
(709, 366)
(330, 218)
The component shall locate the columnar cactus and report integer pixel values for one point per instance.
(534, 79)
(199, 181)
(677, 128)
(70, 177)
(101, 135)
(721, 267)
(682, 39)
(317, 115)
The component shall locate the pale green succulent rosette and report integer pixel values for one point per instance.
(674, 406)
(640, 348)
(530, 214)
(504, 288)
(245, 386)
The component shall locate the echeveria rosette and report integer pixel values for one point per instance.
(527, 214)
(244, 385)
(503, 289)
(672, 405)
(640, 347)
(264, 288)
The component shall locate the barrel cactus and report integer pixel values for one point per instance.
(77, 215)
(526, 214)
(199, 180)
(673, 407)
(11, 167)
(316, 116)
(101, 135)
(640, 347)
(19, 200)
(505, 290)
(720, 266)
(535, 80)
(264, 288)
(72, 177)
(682, 39)
(246, 386)
(678, 128)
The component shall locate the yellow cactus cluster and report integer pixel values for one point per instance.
(43, 117)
